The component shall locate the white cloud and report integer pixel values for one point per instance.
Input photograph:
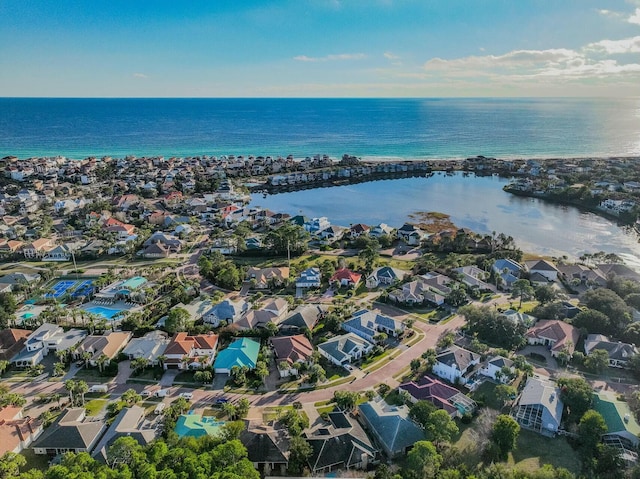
(635, 17)
(391, 56)
(626, 45)
(140, 75)
(336, 57)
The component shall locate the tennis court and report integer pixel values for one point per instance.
(84, 288)
(59, 289)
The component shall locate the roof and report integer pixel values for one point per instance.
(292, 348)
(304, 316)
(543, 392)
(462, 358)
(227, 309)
(262, 446)
(69, 432)
(432, 390)
(341, 347)
(346, 274)
(561, 333)
(182, 343)
(150, 346)
(616, 414)
(367, 322)
(108, 344)
(241, 352)
(391, 425)
(617, 350)
(133, 283)
(540, 265)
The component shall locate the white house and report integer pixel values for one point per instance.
(341, 350)
(543, 268)
(368, 324)
(309, 278)
(455, 364)
(496, 367)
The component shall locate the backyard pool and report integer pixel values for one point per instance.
(195, 425)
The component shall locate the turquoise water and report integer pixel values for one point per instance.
(379, 128)
(108, 313)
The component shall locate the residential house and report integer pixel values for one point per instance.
(71, 432)
(411, 234)
(10, 247)
(431, 287)
(47, 338)
(368, 324)
(473, 277)
(557, 336)
(270, 312)
(22, 279)
(241, 352)
(615, 269)
(439, 394)
(130, 422)
(58, 253)
(539, 406)
(225, 312)
(315, 224)
(345, 277)
(341, 350)
(267, 449)
(151, 346)
(499, 369)
(578, 274)
(518, 317)
(291, 350)
(305, 316)
(358, 230)
(103, 348)
(619, 353)
(385, 276)
(155, 250)
(190, 352)
(508, 270)
(623, 430)
(391, 427)
(456, 364)
(309, 278)
(17, 432)
(543, 268)
(225, 245)
(267, 277)
(341, 445)
(331, 233)
(170, 242)
(380, 230)
(11, 342)
(122, 230)
(37, 248)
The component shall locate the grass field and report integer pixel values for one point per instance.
(94, 406)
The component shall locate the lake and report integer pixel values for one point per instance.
(477, 203)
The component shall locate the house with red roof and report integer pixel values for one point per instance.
(358, 230)
(123, 230)
(291, 350)
(557, 336)
(439, 394)
(190, 352)
(17, 432)
(345, 277)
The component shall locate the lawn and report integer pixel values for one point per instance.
(486, 394)
(533, 451)
(94, 406)
(91, 375)
(35, 461)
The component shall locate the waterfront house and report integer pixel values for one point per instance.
(456, 364)
(267, 277)
(130, 422)
(391, 427)
(71, 432)
(557, 336)
(543, 268)
(225, 312)
(190, 352)
(344, 349)
(578, 274)
(103, 348)
(508, 270)
(619, 353)
(411, 234)
(342, 444)
(241, 352)
(151, 346)
(17, 432)
(539, 407)
(384, 276)
(331, 233)
(439, 394)
(380, 230)
(291, 350)
(368, 324)
(473, 277)
(358, 230)
(345, 277)
(623, 430)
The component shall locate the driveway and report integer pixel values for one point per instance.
(551, 365)
(168, 377)
(124, 372)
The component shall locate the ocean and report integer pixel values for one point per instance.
(368, 128)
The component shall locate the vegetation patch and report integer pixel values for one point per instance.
(94, 406)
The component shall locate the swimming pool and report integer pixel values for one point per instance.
(102, 311)
(195, 425)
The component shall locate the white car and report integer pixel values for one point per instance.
(188, 396)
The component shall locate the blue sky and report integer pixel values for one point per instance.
(320, 48)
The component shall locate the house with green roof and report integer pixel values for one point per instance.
(241, 352)
(622, 428)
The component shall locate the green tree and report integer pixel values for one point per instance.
(597, 361)
(440, 427)
(608, 302)
(299, 453)
(545, 293)
(522, 288)
(593, 321)
(4, 364)
(346, 400)
(576, 393)
(505, 393)
(420, 411)
(504, 434)
(123, 451)
(423, 461)
(288, 238)
(58, 369)
(131, 397)
(10, 464)
(262, 371)
(243, 407)
(139, 364)
(590, 430)
(177, 320)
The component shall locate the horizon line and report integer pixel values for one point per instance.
(308, 97)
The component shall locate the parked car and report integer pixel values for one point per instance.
(221, 401)
(188, 396)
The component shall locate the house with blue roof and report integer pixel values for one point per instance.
(341, 350)
(309, 278)
(241, 352)
(391, 426)
(226, 311)
(508, 270)
(385, 276)
(368, 324)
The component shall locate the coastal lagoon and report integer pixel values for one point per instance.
(477, 203)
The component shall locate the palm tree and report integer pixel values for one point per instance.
(101, 361)
(86, 356)
(3, 366)
(70, 385)
(161, 360)
(81, 388)
(262, 371)
(58, 369)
